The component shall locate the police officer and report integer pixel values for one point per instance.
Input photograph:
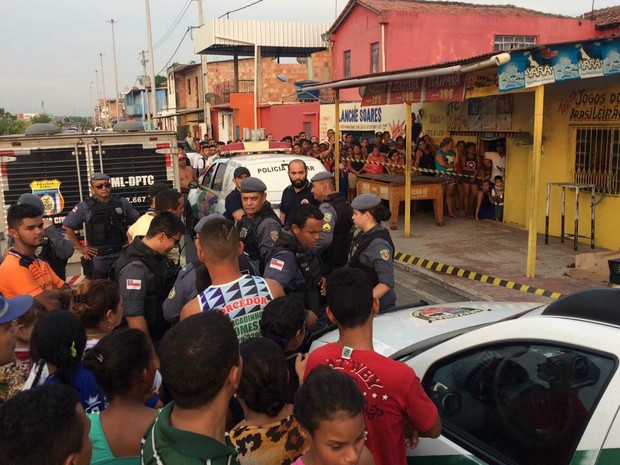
(292, 262)
(259, 227)
(57, 249)
(372, 249)
(335, 239)
(145, 275)
(106, 217)
(194, 278)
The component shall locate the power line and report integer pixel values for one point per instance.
(176, 50)
(174, 25)
(239, 9)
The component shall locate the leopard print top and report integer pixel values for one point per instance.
(274, 444)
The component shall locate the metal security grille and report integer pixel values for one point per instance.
(597, 158)
(511, 42)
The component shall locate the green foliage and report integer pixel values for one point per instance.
(9, 124)
(41, 118)
(160, 81)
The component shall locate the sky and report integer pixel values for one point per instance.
(50, 48)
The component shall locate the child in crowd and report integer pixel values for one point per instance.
(284, 322)
(24, 326)
(13, 374)
(396, 391)
(98, 305)
(498, 197)
(58, 342)
(124, 364)
(269, 433)
(330, 410)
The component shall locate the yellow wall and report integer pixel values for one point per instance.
(563, 112)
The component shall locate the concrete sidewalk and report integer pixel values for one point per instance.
(491, 248)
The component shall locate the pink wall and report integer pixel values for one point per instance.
(425, 38)
(287, 120)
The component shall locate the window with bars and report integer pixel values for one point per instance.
(511, 42)
(347, 63)
(597, 158)
(374, 57)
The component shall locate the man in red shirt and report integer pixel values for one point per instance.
(394, 395)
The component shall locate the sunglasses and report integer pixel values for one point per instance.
(107, 185)
(176, 241)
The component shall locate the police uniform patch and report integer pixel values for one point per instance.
(326, 227)
(119, 210)
(172, 293)
(327, 217)
(385, 254)
(274, 235)
(134, 284)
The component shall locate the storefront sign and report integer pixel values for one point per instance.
(445, 88)
(560, 63)
(355, 117)
(591, 105)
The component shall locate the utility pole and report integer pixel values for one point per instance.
(98, 106)
(105, 100)
(205, 79)
(92, 107)
(145, 101)
(112, 21)
(152, 64)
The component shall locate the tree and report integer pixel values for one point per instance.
(41, 118)
(9, 124)
(160, 81)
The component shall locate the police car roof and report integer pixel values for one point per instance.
(258, 147)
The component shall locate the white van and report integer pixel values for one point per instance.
(271, 168)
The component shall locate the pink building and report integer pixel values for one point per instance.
(382, 35)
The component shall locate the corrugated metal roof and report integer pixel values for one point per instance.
(229, 36)
(446, 7)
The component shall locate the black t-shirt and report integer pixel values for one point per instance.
(384, 149)
(232, 203)
(290, 199)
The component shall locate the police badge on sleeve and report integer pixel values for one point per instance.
(385, 254)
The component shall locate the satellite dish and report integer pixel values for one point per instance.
(209, 97)
(302, 60)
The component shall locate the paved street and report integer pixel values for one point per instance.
(410, 288)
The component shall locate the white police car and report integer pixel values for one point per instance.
(515, 383)
(270, 166)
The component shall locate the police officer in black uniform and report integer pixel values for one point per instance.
(259, 227)
(292, 262)
(145, 275)
(106, 217)
(57, 249)
(372, 249)
(335, 239)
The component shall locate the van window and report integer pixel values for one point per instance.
(206, 179)
(218, 179)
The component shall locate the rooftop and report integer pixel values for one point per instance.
(451, 8)
(605, 18)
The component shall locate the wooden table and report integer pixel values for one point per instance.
(391, 187)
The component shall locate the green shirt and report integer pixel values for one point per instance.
(166, 445)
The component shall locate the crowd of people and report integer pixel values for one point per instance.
(147, 362)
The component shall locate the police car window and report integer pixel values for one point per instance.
(206, 179)
(523, 403)
(218, 179)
